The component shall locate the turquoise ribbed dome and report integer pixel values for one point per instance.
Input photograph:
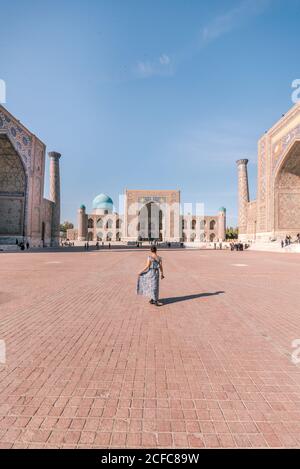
(82, 207)
(103, 202)
(222, 209)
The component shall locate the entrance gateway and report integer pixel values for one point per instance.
(152, 215)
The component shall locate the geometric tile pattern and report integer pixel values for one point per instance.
(289, 210)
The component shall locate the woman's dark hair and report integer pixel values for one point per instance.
(153, 249)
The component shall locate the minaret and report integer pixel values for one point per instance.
(82, 223)
(222, 224)
(55, 196)
(243, 195)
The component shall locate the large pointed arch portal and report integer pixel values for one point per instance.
(150, 223)
(12, 190)
(287, 192)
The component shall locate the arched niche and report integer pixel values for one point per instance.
(12, 190)
(287, 191)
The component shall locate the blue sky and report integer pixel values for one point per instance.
(155, 94)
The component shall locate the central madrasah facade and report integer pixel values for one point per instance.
(148, 215)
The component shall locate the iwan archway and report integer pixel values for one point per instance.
(12, 191)
(150, 223)
(287, 193)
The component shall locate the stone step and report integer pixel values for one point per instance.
(9, 248)
(275, 247)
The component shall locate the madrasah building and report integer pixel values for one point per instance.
(276, 211)
(25, 215)
(148, 215)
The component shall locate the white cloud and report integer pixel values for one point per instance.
(234, 18)
(145, 69)
(164, 59)
(213, 30)
(162, 67)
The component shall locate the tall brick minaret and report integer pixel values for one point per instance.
(243, 195)
(222, 224)
(55, 196)
(82, 223)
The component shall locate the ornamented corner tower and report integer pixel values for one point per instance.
(82, 223)
(243, 195)
(222, 224)
(55, 196)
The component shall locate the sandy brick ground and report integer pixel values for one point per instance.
(90, 364)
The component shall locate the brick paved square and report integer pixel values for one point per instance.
(90, 364)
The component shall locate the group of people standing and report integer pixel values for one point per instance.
(237, 246)
(22, 245)
(67, 243)
(87, 245)
(288, 240)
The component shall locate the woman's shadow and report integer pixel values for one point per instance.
(175, 299)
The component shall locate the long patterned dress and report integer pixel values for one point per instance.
(148, 282)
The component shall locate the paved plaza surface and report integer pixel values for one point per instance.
(90, 364)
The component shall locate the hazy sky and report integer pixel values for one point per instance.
(148, 94)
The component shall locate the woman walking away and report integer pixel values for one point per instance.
(148, 280)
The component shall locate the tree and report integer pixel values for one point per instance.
(66, 225)
(232, 233)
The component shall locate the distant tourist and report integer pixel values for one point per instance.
(238, 246)
(148, 280)
(108, 245)
(27, 245)
(282, 243)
